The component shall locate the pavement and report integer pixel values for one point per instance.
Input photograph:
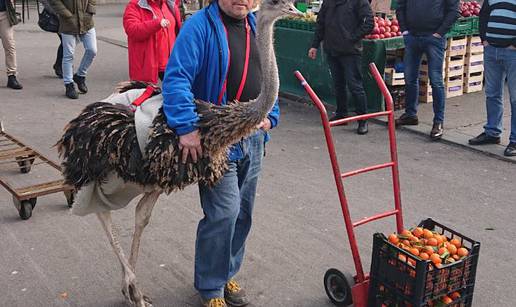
(58, 259)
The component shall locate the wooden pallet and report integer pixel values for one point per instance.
(456, 46)
(392, 77)
(474, 45)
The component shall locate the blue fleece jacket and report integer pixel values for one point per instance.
(197, 69)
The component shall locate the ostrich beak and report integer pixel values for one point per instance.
(292, 11)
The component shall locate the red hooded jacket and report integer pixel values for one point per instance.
(148, 43)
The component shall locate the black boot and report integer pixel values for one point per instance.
(58, 69)
(70, 91)
(13, 83)
(362, 127)
(81, 83)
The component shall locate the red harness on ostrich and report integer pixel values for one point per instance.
(150, 91)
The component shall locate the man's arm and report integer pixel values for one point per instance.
(178, 106)
(319, 28)
(92, 7)
(452, 14)
(60, 9)
(401, 14)
(365, 14)
(485, 11)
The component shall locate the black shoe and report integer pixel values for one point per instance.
(58, 70)
(70, 91)
(338, 116)
(437, 131)
(406, 119)
(483, 139)
(362, 127)
(234, 295)
(510, 151)
(13, 83)
(81, 83)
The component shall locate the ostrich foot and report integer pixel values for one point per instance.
(133, 294)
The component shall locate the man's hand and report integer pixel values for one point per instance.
(190, 144)
(437, 35)
(265, 125)
(164, 23)
(485, 43)
(312, 53)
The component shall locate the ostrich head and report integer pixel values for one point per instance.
(271, 10)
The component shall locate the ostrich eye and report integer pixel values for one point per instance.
(275, 1)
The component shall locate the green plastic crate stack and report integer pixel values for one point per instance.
(464, 26)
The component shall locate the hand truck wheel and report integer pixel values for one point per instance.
(24, 165)
(338, 287)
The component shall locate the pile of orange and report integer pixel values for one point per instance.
(428, 245)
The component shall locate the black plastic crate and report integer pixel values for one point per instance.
(400, 279)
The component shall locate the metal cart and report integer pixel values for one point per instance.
(16, 161)
(343, 288)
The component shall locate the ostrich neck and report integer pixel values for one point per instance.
(270, 79)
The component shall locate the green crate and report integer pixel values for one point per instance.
(464, 26)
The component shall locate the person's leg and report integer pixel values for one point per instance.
(221, 206)
(339, 84)
(248, 172)
(412, 61)
(69, 43)
(353, 74)
(7, 36)
(510, 68)
(89, 40)
(58, 69)
(434, 48)
(494, 72)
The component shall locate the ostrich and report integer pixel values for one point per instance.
(102, 148)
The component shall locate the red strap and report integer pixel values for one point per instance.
(144, 96)
(246, 63)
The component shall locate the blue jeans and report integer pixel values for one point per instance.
(89, 40)
(499, 63)
(433, 47)
(228, 209)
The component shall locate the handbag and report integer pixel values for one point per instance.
(48, 21)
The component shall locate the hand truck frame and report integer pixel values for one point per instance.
(342, 288)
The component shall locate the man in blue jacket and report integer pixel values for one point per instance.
(200, 67)
(424, 25)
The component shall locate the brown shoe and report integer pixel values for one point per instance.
(214, 302)
(235, 295)
(406, 119)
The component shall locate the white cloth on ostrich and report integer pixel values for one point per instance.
(114, 193)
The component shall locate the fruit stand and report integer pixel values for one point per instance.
(293, 39)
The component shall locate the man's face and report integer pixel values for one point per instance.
(236, 8)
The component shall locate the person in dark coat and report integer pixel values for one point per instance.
(341, 25)
(424, 25)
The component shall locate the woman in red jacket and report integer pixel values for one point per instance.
(151, 27)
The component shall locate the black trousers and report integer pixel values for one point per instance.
(347, 74)
(59, 56)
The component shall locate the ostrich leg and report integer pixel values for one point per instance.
(142, 217)
(129, 288)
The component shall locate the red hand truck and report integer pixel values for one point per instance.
(342, 288)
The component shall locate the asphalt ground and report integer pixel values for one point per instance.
(57, 259)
